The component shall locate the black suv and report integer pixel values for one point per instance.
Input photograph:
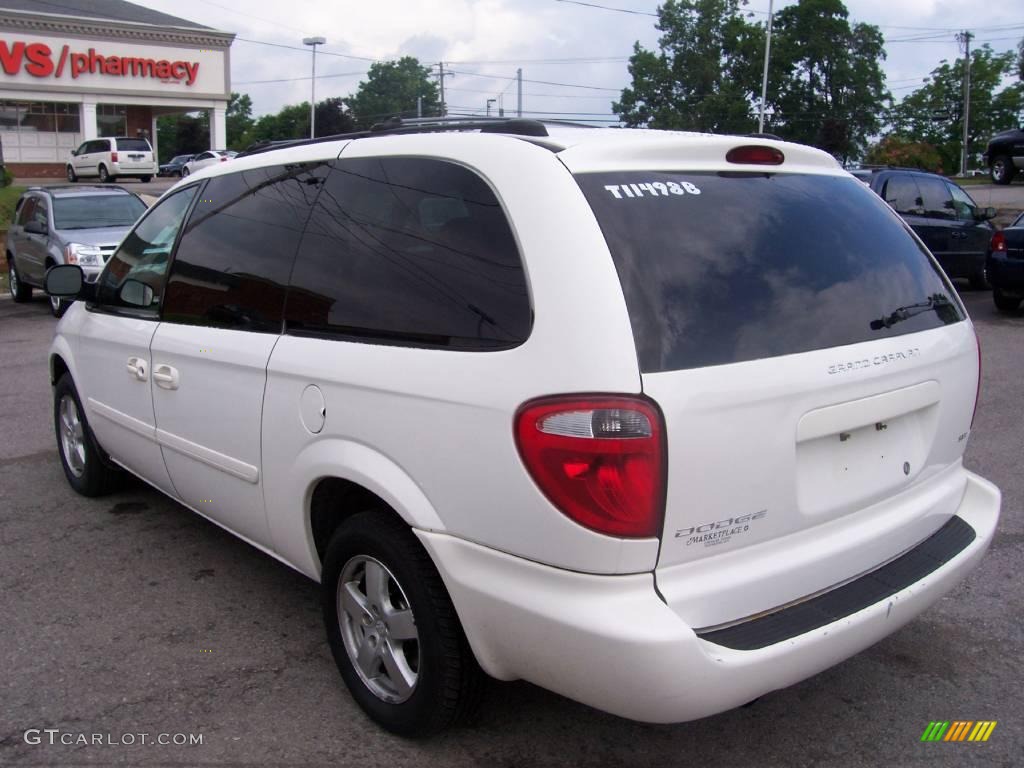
(1004, 155)
(950, 223)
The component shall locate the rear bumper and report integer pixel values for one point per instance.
(1006, 274)
(612, 643)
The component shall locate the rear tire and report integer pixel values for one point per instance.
(1002, 170)
(384, 602)
(20, 292)
(80, 455)
(105, 177)
(72, 176)
(145, 179)
(1005, 303)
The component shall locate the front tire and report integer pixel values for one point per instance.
(1003, 302)
(393, 630)
(183, 173)
(1002, 170)
(80, 454)
(58, 306)
(20, 292)
(72, 176)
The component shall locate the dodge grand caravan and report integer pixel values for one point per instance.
(661, 422)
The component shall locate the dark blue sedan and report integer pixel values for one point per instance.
(1006, 266)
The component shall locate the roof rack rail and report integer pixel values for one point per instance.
(516, 126)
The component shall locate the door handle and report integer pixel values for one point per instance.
(166, 376)
(137, 368)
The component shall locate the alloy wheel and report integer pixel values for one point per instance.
(72, 436)
(12, 280)
(378, 629)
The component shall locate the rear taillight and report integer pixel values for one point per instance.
(977, 391)
(113, 157)
(755, 154)
(998, 242)
(223, 159)
(599, 460)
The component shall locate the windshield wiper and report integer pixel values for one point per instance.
(937, 302)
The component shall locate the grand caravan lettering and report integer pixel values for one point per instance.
(37, 59)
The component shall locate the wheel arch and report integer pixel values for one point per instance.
(317, 489)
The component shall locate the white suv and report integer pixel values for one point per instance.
(661, 422)
(112, 158)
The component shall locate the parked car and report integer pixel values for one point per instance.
(1006, 266)
(493, 389)
(175, 166)
(208, 158)
(956, 229)
(66, 225)
(1004, 155)
(112, 158)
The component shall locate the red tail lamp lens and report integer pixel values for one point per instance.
(599, 460)
(755, 155)
(113, 157)
(998, 242)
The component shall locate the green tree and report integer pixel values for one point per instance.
(899, 151)
(826, 86)
(238, 119)
(391, 88)
(182, 134)
(701, 78)
(934, 112)
(333, 117)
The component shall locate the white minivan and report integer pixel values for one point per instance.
(111, 158)
(661, 422)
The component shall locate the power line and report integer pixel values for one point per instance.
(298, 79)
(607, 8)
(539, 82)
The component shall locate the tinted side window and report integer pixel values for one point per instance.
(40, 213)
(410, 251)
(25, 212)
(937, 201)
(145, 253)
(232, 264)
(902, 194)
(962, 204)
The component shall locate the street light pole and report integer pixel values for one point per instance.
(767, 56)
(313, 42)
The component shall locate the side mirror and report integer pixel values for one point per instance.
(35, 228)
(986, 214)
(64, 281)
(74, 153)
(135, 293)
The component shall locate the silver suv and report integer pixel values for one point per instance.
(66, 225)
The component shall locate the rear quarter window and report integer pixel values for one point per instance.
(721, 268)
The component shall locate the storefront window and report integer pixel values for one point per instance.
(111, 120)
(39, 117)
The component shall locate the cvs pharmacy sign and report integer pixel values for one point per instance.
(40, 60)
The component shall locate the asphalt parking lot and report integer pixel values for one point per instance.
(129, 615)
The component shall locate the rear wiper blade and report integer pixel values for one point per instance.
(936, 302)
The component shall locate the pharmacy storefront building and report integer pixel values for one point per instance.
(84, 69)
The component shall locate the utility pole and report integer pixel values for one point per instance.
(440, 69)
(767, 56)
(519, 92)
(965, 38)
(489, 102)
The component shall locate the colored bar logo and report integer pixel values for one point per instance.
(958, 730)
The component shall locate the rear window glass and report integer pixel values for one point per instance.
(133, 145)
(96, 211)
(720, 268)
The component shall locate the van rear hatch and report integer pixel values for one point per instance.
(134, 154)
(815, 369)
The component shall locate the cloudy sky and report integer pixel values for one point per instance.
(574, 58)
